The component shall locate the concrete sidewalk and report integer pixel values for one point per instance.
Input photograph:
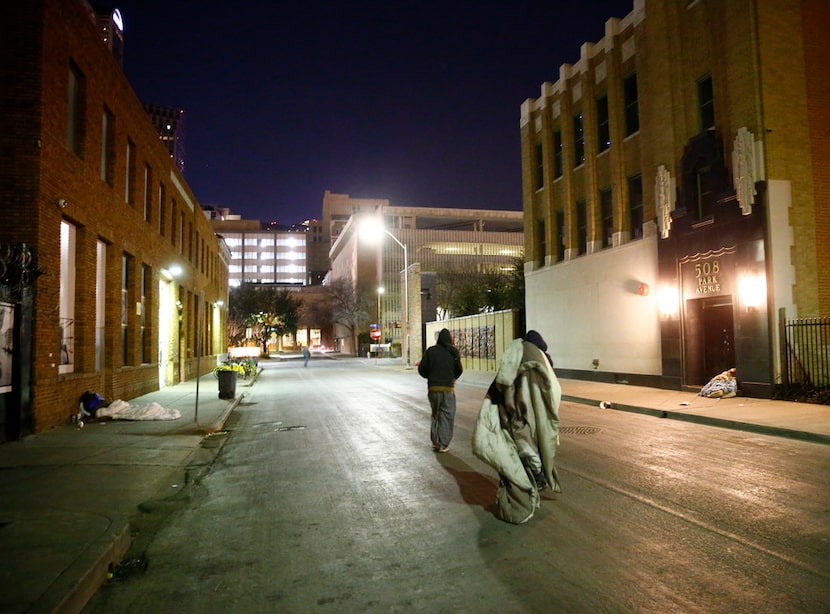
(67, 495)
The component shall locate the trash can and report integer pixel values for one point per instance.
(227, 384)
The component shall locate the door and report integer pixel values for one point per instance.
(708, 340)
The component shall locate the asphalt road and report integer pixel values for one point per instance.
(325, 496)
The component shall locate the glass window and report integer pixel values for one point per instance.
(541, 244)
(631, 102)
(129, 174)
(607, 208)
(706, 103)
(560, 236)
(107, 145)
(148, 193)
(66, 299)
(539, 177)
(635, 203)
(100, 302)
(582, 226)
(603, 130)
(75, 110)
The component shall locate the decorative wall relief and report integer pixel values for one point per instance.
(743, 169)
(666, 197)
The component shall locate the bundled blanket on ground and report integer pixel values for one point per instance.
(723, 386)
(121, 410)
(517, 430)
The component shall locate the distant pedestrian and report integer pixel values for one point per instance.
(441, 366)
(306, 355)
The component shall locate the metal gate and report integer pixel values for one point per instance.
(805, 360)
(17, 276)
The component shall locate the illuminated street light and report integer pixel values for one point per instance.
(370, 230)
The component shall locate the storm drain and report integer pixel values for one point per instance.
(579, 430)
(290, 428)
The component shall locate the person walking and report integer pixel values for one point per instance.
(517, 430)
(441, 366)
(306, 355)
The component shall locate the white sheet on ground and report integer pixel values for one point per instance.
(121, 410)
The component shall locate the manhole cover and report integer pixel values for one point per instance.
(579, 430)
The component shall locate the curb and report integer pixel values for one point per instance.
(73, 589)
(709, 421)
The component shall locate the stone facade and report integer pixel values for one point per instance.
(691, 139)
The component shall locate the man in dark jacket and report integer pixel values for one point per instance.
(441, 366)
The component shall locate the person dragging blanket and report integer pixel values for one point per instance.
(517, 430)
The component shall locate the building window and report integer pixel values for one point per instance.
(582, 227)
(161, 209)
(129, 172)
(541, 244)
(631, 102)
(148, 193)
(107, 145)
(539, 177)
(635, 202)
(579, 140)
(173, 222)
(706, 103)
(704, 194)
(146, 280)
(66, 299)
(603, 130)
(100, 302)
(560, 236)
(607, 209)
(75, 111)
(557, 154)
(125, 281)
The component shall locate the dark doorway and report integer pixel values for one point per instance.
(710, 339)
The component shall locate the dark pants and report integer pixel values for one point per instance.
(443, 417)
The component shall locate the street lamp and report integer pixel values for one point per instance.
(370, 229)
(381, 290)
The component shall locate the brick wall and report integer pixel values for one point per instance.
(39, 42)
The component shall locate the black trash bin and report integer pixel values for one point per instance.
(227, 384)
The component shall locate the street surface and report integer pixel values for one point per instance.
(326, 496)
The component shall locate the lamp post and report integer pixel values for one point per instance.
(371, 229)
(381, 290)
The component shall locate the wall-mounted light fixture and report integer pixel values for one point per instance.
(218, 303)
(752, 290)
(643, 290)
(62, 204)
(667, 302)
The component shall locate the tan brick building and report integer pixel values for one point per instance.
(124, 286)
(676, 191)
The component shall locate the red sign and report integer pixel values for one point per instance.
(375, 333)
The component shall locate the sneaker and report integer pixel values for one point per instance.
(444, 449)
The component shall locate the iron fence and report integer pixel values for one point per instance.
(805, 360)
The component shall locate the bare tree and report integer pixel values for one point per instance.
(349, 307)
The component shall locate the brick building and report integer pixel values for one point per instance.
(111, 277)
(676, 193)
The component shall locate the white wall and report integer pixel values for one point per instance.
(590, 308)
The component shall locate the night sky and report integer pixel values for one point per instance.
(418, 103)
